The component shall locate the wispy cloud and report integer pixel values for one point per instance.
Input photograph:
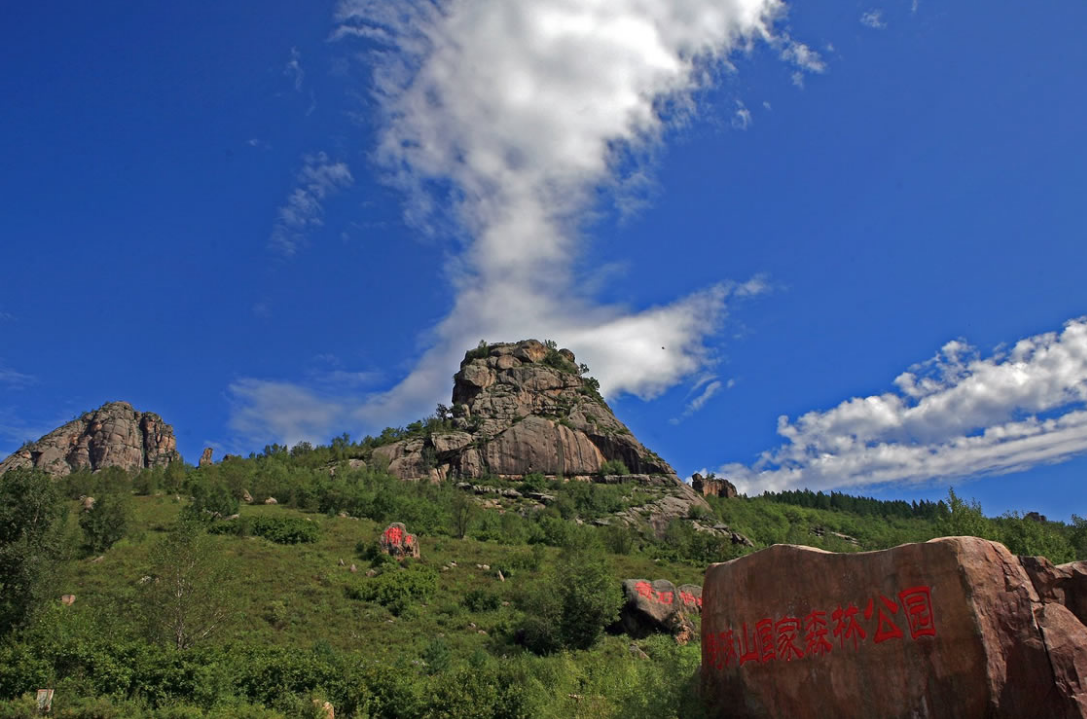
(710, 389)
(526, 110)
(873, 19)
(741, 119)
(13, 379)
(265, 411)
(319, 177)
(293, 69)
(914, 6)
(7, 317)
(956, 415)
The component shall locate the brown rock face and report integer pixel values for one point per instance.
(205, 458)
(657, 607)
(521, 408)
(712, 486)
(949, 628)
(114, 435)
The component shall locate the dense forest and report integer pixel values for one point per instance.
(175, 607)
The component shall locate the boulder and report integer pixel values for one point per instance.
(67, 599)
(948, 628)
(271, 500)
(205, 457)
(658, 607)
(396, 542)
(114, 435)
(87, 503)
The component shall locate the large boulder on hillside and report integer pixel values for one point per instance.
(396, 542)
(949, 628)
(521, 408)
(114, 435)
(657, 607)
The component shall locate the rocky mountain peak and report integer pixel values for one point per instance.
(114, 435)
(521, 408)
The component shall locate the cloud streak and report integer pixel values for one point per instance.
(957, 415)
(267, 411)
(521, 112)
(319, 178)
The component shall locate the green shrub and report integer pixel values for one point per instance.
(481, 600)
(281, 530)
(106, 523)
(396, 589)
(613, 466)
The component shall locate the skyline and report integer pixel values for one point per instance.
(844, 240)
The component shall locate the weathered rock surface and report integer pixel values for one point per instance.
(396, 542)
(713, 486)
(954, 627)
(658, 607)
(114, 435)
(205, 457)
(521, 408)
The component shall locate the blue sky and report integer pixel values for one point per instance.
(283, 221)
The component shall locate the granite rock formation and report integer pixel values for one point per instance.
(713, 486)
(114, 435)
(522, 408)
(657, 607)
(954, 627)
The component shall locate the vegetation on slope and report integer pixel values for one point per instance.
(272, 616)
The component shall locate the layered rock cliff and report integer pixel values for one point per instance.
(114, 435)
(523, 408)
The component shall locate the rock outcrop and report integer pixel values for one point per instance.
(955, 627)
(205, 458)
(713, 486)
(522, 408)
(396, 542)
(114, 435)
(657, 607)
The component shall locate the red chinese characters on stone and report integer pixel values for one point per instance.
(788, 631)
(665, 597)
(791, 638)
(815, 628)
(917, 602)
(886, 629)
(687, 598)
(846, 626)
(393, 535)
(645, 589)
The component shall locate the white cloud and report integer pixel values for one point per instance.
(700, 401)
(7, 317)
(956, 415)
(266, 411)
(318, 178)
(873, 19)
(14, 379)
(293, 70)
(525, 109)
(741, 120)
(914, 6)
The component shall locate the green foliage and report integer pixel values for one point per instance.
(211, 499)
(437, 655)
(106, 523)
(480, 352)
(461, 511)
(613, 466)
(964, 519)
(186, 599)
(481, 600)
(32, 514)
(398, 588)
(281, 530)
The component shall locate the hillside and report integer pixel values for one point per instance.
(137, 585)
(440, 636)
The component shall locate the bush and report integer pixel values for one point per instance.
(613, 466)
(105, 524)
(281, 530)
(480, 600)
(397, 589)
